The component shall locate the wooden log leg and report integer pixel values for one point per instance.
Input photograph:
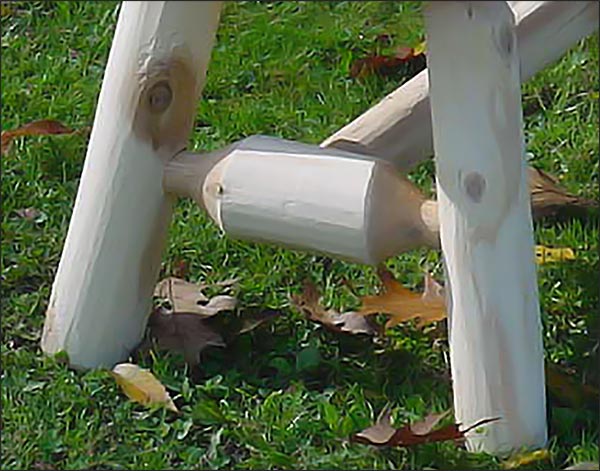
(102, 292)
(398, 128)
(485, 224)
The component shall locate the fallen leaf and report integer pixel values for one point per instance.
(567, 390)
(351, 322)
(141, 386)
(181, 269)
(251, 322)
(188, 297)
(548, 198)
(383, 434)
(5, 10)
(549, 255)
(386, 65)
(426, 425)
(185, 333)
(401, 304)
(420, 48)
(36, 128)
(526, 458)
(215, 305)
(29, 213)
(585, 465)
(380, 433)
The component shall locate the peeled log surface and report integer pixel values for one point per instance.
(398, 128)
(301, 196)
(495, 331)
(102, 292)
(272, 190)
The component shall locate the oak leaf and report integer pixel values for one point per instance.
(350, 322)
(383, 434)
(184, 296)
(401, 304)
(181, 332)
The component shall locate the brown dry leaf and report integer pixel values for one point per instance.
(251, 322)
(569, 391)
(36, 128)
(548, 198)
(386, 65)
(428, 424)
(141, 386)
(185, 333)
(188, 297)
(380, 433)
(402, 304)
(383, 434)
(351, 322)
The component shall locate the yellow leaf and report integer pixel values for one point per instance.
(420, 48)
(526, 458)
(5, 10)
(402, 304)
(548, 255)
(141, 386)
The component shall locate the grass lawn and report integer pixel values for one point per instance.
(286, 396)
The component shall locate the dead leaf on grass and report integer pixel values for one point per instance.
(386, 65)
(350, 322)
(526, 458)
(549, 199)
(382, 434)
(36, 128)
(584, 465)
(188, 297)
(549, 255)
(252, 321)
(401, 304)
(31, 214)
(141, 386)
(186, 333)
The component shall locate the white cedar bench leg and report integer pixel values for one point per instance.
(103, 288)
(398, 128)
(485, 224)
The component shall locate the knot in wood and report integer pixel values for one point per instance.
(474, 184)
(160, 96)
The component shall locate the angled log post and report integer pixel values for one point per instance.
(102, 291)
(398, 128)
(301, 196)
(485, 224)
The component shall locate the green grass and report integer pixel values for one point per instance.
(289, 395)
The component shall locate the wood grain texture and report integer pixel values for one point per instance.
(301, 196)
(398, 128)
(102, 291)
(485, 224)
